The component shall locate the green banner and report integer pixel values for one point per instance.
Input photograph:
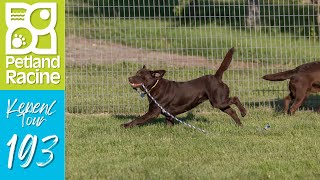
(33, 51)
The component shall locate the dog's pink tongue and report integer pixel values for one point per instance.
(135, 85)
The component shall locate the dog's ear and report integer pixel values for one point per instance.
(158, 74)
(144, 67)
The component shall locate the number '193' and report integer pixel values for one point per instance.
(27, 149)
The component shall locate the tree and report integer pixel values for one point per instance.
(316, 4)
(253, 14)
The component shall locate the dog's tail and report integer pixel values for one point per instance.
(281, 76)
(225, 64)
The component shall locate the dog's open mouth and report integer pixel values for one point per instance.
(135, 85)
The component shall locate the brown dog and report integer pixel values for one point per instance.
(179, 97)
(304, 79)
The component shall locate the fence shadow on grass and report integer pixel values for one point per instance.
(311, 104)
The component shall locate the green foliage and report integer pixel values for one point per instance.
(289, 16)
(127, 8)
(292, 17)
(97, 148)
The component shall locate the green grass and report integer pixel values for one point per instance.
(97, 148)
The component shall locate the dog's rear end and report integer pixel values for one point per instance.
(304, 79)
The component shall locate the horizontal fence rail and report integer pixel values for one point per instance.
(107, 41)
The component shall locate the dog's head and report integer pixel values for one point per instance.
(146, 77)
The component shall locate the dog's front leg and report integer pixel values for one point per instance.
(152, 113)
(169, 121)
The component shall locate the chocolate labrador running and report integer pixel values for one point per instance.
(304, 79)
(179, 97)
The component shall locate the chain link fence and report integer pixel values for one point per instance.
(107, 41)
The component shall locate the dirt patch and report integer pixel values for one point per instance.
(91, 51)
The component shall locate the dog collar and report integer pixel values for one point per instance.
(142, 94)
(154, 85)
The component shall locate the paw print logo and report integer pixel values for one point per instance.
(18, 41)
(31, 28)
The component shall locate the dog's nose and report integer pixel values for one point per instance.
(130, 78)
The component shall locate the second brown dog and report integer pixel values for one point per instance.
(304, 79)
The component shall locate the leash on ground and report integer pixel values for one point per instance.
(168, 114)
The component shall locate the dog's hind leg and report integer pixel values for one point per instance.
(297, 103)
(235, 100)
(233, 114)
(300, 98)
(286, 103)
(227, 109)
(228, 102)
(220, 99)
(287, 100)
(298, 92)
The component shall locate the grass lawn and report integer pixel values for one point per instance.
(97, 148)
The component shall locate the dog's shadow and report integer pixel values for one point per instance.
(188, 116)
(311, 104)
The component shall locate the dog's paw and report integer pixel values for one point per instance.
(126, 125)
(169, 124)
(243, 112)
(291, 112)
(240, 125)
